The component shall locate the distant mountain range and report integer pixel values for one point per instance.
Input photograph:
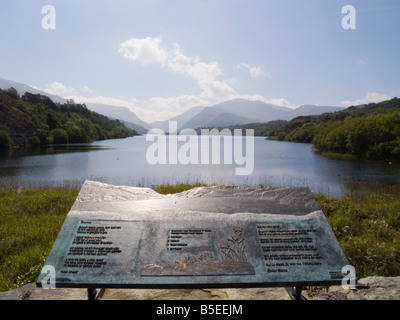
(123, 114)
(239, 112)
(233, 112)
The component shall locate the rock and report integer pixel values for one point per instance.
(371, 288)
(31, 292)
(197, 294)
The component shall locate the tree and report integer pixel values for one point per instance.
(42, 134)
(59, 136)
(12, 92)
(5, 141)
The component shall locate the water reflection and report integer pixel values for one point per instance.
(53, 149)
(123, 162)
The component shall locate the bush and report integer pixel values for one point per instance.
(35, 141)
(366, 223)
(60, 136)
(5, 141)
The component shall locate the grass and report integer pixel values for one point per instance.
(169, 188)
(30, 220)
(366, 223)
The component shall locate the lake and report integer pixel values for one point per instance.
(124, 162)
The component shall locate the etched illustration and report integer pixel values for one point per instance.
(233, 262)
(236, 252)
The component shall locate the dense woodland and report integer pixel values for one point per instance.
(371, 131)
(34, 120)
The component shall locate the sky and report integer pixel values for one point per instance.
(162, 57)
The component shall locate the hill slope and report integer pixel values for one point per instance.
(121, 113)
(371, 131)
(34, 119)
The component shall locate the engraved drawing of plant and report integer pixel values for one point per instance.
(226, 251)
(235, 250)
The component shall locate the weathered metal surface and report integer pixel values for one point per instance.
(214, 237)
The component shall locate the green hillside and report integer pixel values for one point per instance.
(34, 119)
(371, 131)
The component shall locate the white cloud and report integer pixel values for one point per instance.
(206, 74)
(193, 66)
(146, 51)
(217, 91)
(254, 72)
(159, 108)
(85, 89)
(368, 98)
(57, 88)
(280, 102)
(242, 65)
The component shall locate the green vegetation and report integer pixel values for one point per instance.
(30, 220)
(366, 223)
(369, 132)
(34, 119)
(5, 141)
(168, 188)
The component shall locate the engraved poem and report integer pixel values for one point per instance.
(284, 248)
(91, 246)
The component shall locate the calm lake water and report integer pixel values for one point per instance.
(123, 162)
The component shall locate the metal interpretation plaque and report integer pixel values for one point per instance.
(125, 237)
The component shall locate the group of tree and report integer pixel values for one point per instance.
(35, 119)
(371, 131)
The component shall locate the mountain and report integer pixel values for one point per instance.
(22, 88)
(255, 110)
(239, 112)
(121, 113)
(181, 119)
(236, 112)
(309, 110)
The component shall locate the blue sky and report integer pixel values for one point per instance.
(160, 58)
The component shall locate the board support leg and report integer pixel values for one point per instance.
(295, 292)
(94, 294)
